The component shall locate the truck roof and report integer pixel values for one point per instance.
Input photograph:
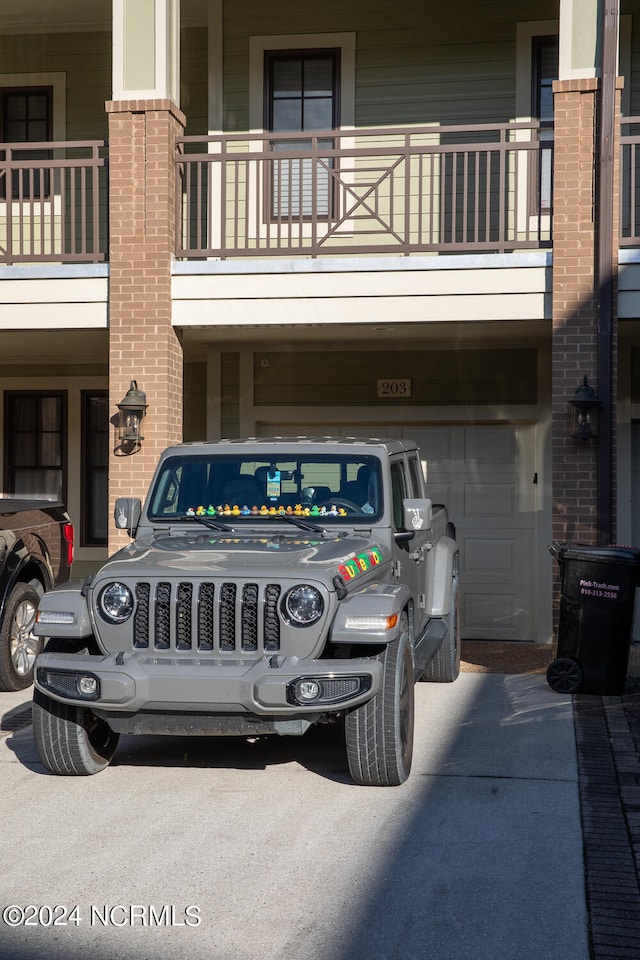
(315, 444)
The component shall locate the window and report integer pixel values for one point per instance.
(301, 94)
(95, 460)
(26, 117)
(35, 444)
(398, 493)
(544, 61)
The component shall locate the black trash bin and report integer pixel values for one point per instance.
(597, 596)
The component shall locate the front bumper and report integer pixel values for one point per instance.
(134, 683)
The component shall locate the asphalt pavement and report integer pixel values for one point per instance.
(265, 850)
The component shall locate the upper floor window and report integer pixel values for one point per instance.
(26, 116)
(544, 61)
(301, 95)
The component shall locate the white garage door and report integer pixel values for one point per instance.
(485, 476)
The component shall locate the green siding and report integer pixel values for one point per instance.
(85, 58)
(195, 401)
(230, 394)
(415, 62)
(438, 377)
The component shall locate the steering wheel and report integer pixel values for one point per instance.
(341, 502)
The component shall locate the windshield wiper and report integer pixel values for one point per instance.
(211, 524)
(303, 523)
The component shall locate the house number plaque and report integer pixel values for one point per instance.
(394, 389)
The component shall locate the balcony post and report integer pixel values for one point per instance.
(144, 122)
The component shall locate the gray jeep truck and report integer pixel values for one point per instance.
(271, 584)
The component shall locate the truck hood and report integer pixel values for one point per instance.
(218, 555)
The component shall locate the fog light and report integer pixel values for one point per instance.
(88, 686)
(307, 690)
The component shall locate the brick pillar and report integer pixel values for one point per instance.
(142, 343)
(575, 305)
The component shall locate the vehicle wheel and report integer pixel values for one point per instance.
(445, 665)
(379, 734)
(70, 741)
(18, 646)
(564, 675)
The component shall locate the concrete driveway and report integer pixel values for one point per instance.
(264, 850)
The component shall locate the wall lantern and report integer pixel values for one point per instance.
(132, 409)
(584, 412)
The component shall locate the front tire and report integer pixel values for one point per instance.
(18, 645)
(379, 734)
(71, 741)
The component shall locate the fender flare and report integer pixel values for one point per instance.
(446, 568)
(379, 600)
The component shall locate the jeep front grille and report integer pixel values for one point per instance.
(222, 617)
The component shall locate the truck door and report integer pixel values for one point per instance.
(410, 555)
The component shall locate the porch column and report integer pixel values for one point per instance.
(144, 121)
(582, 267)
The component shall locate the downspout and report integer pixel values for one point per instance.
(604, 227)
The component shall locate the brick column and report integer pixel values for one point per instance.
(142, 342)
(575, 305)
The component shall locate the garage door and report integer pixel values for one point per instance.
(485, 476)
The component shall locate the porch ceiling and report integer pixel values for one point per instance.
(62, 16)
(391, 336)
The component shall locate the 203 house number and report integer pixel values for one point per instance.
(398, 388)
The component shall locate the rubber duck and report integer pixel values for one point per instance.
(254, 511)
(281, 511)
(315, 511)
(200, 511)
(211, 510)
(191, 512)
(289, 511)
(263, 511)
(245, 511)
(227, 510)
(342, 512)
(235, 510)
(272, 511)
(297, 510)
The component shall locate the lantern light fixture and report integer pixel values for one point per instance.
(132, 409)
(584, 412)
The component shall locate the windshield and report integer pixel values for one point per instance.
(248, 487)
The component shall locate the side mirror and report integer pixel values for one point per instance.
(417, 514)
(126, 514)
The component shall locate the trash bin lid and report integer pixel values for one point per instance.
(612, 554)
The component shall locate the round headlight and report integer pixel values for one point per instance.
(303, 605)
(116, 603)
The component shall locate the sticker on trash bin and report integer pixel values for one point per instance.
(607, 591)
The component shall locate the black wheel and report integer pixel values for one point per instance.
(445, 665)
(71, 741)
(564, 675)
(379, 734)
(18, 646)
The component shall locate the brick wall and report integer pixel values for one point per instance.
(575, 305)
(142, 343)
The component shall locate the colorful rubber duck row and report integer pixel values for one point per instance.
(263, 511)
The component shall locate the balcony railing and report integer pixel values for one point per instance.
(53, 202)
(630, 182)
(403, 191)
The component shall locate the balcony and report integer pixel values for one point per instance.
(390, 191)
(383, 191)
(53, 202)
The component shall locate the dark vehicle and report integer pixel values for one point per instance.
(271, 585)
(36, 552)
